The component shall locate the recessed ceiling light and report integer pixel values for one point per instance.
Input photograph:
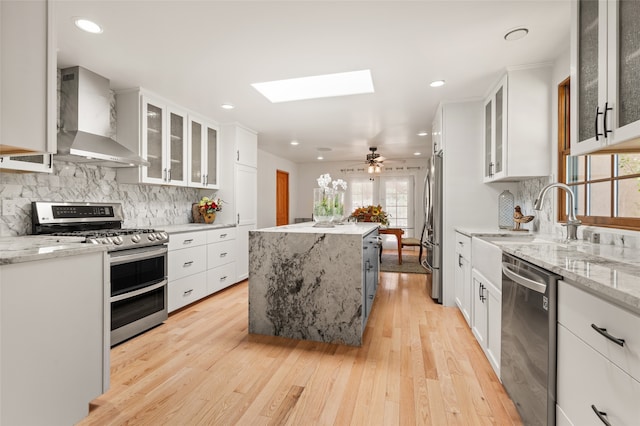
(320, 157)
(437, 83)
(417, 153)
(423, 133)
(88, 26)
(516, 34)
(227, 106)
(295, 143)
(319, 86)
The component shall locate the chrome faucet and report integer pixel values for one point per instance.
(572, 222)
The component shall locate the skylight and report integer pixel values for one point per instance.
(319, 86)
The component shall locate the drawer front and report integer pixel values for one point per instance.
(221, 277)
(187, 262)
(463, 245)
(220, 253)
(586, 378)
(219, 235)
(186, 240)
(577, 310)
(187, 290)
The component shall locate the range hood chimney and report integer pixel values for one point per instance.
(85, 116)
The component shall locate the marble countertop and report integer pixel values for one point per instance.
(191, 227)
(38, 247)
(359, 228)
(612, 272)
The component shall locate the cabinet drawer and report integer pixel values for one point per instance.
(463, 245)
(220, 253)
(221, 277)
(187, 262)
(577, 310)
(586, 378)
(219, 235)
(187, 290)
(187, 239)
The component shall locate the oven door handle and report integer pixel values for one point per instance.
(133, 255)
(519, 279)
(139, 292)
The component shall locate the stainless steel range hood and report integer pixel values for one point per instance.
(85, 115)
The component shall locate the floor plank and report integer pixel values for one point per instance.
(419, 364)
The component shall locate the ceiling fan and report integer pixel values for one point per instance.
(374, 161)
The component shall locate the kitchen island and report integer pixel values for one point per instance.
(313, 283)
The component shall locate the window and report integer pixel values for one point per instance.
(394, 193)
(606, 186)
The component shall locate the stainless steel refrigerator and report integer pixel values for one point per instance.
(432, 240)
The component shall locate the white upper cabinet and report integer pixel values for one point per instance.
(27, 77)
(246, 147)
(605, 76)
(28, 163)
(517, 125)
(203, 153)
(159, 131)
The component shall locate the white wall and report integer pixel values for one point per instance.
(267, 166)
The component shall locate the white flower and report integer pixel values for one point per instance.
(339, 183)
(324, 180)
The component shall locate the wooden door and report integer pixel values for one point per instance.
(282, 198)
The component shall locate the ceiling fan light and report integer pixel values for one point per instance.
(371, 168)
(377, 169)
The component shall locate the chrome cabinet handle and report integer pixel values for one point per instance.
(601, 415)
(189, 241)
(603, 331)
(168, 174)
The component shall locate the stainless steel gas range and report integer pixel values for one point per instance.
(138, 259)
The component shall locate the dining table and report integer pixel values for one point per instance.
(398, 233)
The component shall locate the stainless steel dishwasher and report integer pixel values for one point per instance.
(528, 355)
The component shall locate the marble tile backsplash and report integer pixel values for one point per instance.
(144, 205)
(545, 222)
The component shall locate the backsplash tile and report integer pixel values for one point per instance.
(143, 205)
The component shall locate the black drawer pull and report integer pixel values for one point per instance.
(603, 331)
(223, 278)
(223, 254)
(189, 263)
(601, 415)
(187, 293)
(223, 235)
(189, 241)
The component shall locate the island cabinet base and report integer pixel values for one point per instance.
(307, 286)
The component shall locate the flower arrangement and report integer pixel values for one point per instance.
(328, 205)
(371, 214)
(209, 205)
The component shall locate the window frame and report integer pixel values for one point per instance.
(564, 151)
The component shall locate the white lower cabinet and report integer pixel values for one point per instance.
(200, 263)
(598, 360)
(221, 259)
(463, 275)
(487, 317)
(486, 299)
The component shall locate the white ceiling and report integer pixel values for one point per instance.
(201, 54)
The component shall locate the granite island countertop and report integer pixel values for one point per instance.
(357, 228)
(38, 247)
(609, 271)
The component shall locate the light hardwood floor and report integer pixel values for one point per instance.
(419, 365)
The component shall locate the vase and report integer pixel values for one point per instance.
(338, 207)
(505, 210)
(323, 206)
(209, 217)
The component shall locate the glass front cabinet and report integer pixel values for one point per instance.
(605, 78)
(494, 132)
(203, 154)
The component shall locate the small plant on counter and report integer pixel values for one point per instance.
(371, 214)
(210, 205)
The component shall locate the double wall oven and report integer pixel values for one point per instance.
(137, 258)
